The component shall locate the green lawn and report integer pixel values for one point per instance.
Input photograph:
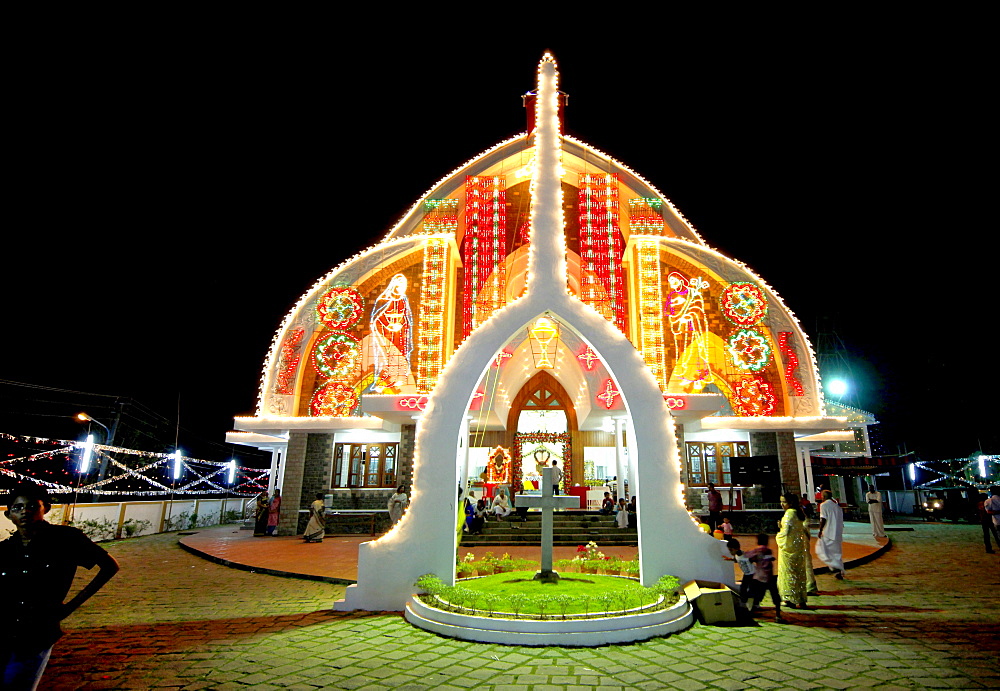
(575, 593)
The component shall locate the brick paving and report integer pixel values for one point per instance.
(923, 615)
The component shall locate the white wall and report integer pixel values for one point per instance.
(116, 514)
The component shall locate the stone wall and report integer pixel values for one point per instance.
(789, 462)
(404, 458)
(317, 458)
(782, 445)
(291, 484)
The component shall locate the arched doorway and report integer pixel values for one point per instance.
(542, 416)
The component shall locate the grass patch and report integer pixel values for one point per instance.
(517, 594)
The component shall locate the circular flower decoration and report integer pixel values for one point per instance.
(335, 399)
(744, 304)
(754, 398)
(337, 355)
(749, 350)
(340, 308)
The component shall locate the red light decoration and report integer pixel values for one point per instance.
(675, 402)
(791, 363)
(588, 357)
(340, 308)
(337, 355)
(412, 403)
(601, 246)
(334, 399)
(484, 249)
(744, 304)
(754, 398)
(607, 397)
(288, 362)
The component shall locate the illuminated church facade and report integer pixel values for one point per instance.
(354, 364)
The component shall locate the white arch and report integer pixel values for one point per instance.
(424, 540)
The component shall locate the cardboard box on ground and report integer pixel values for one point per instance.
(714, 603)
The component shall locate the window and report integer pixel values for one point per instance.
(709, 461)
(368, 464)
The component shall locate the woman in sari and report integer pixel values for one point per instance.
(792, 547)
(260, 516)
(316, 528)
(274, 512)
(397, 504)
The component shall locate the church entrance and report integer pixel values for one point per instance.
(541, 425)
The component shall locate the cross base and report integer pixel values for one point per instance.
(546, 576)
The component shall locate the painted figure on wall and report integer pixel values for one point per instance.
(392, 336)
(685, 312)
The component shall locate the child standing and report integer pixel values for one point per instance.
(764, 578)
(727, 530)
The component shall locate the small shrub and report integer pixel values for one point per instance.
(517, 601)
(97, 530)
(490, 602)
(134, 526)
(430, 584)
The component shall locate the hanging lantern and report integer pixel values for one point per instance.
(545, 334)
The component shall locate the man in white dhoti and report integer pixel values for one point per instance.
(829, 547)
(874, 499)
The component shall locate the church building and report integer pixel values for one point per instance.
(353, 366)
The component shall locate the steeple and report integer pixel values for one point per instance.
(529, 99)
(547, 258)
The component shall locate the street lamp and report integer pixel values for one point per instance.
(837, 387)
(83, 417)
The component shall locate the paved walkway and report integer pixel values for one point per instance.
(923, 615)
(335, 560)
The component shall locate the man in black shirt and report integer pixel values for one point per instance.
(37, 566)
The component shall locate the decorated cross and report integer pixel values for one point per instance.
(547, 503)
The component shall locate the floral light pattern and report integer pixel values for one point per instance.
(744, 304)
(340, 308)
(754, 397)
(749, 350)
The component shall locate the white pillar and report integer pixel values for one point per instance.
(633, 473)
(277, 476)
(619, 461)
(463, 452)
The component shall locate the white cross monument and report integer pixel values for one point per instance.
(547, 503)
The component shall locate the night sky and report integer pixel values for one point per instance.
(171, 204)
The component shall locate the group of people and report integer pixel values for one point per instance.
(794, 581)
(266, 513)
(476, 511)
(624, 511)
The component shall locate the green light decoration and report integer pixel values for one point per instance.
(749, 350)
(337, 356)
